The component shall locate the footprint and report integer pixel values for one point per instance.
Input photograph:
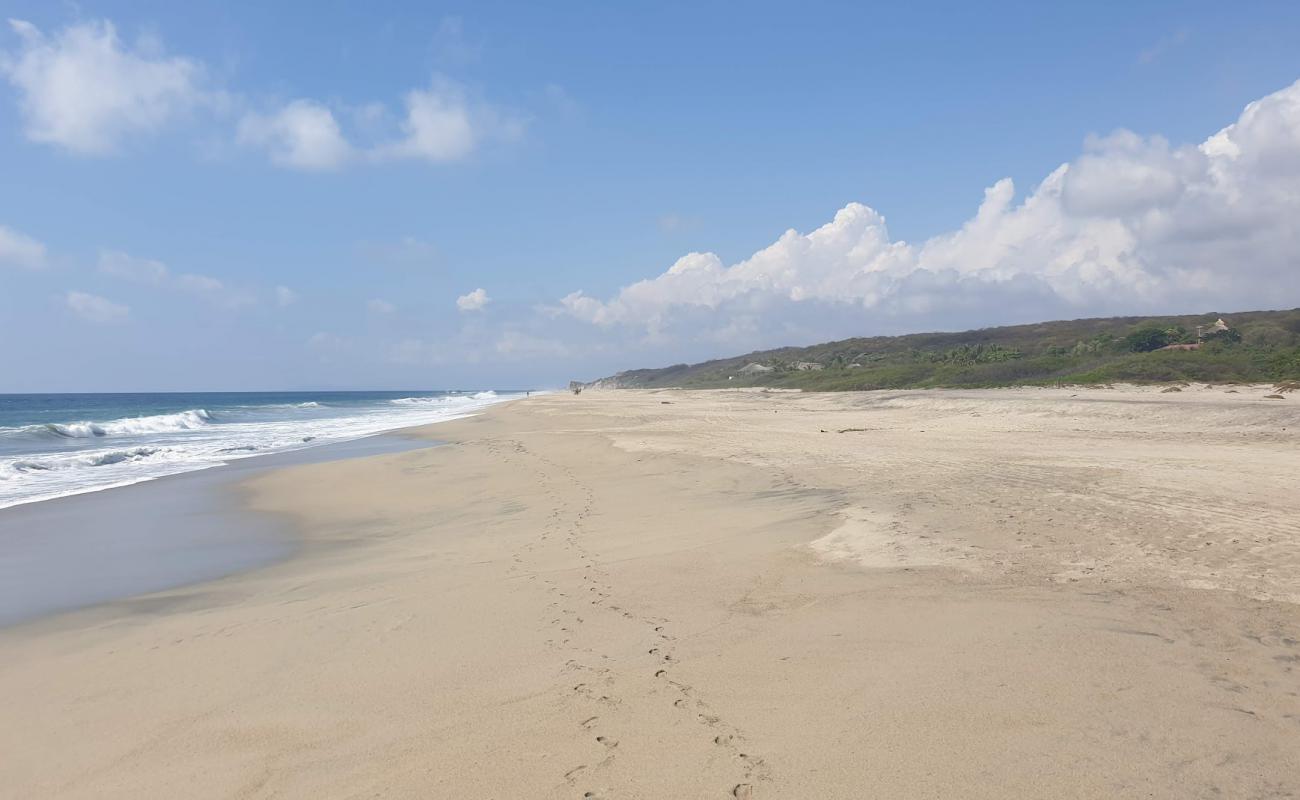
(587, 723)
(743, 791)
(723, 740)
(608, 742)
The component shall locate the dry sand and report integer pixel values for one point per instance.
(1014, 593)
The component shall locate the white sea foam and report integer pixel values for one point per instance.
(450, 400)
(133, 426)
(47, 461)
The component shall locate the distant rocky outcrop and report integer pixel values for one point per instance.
(612, 382)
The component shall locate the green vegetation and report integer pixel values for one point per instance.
(1258, 346)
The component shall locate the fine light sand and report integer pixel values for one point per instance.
(1014, 593)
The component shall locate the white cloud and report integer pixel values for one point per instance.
(437, 127)
(303, 135)
(84, 90)
(440, 124)
(93, 308)
(201, 284)
(127, 267)
(284, 296)
(1134, 224)
(474, 301)
(380, 307)
(20, 250)
(153, 272)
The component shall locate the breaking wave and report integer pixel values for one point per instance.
(445, 400)
(42, 460)
(132, 426)
(96, 459)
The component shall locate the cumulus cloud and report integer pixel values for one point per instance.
(474, 301)
(380, 307)
(303, 135)
(84, 90)
(93, 308)
(439, 124)
(1134, 224)
(20, 250)
(284, 296)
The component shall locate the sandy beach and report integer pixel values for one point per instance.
(732, 594)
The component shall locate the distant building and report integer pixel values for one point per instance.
(1196, 346)
(1205, 331)
(754, 369)
(807, 366)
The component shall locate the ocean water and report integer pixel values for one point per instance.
(55, 445)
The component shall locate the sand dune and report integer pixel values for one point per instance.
(1004, 593)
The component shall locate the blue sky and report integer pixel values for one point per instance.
(248, 196)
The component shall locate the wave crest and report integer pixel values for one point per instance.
(444, 400)
(132, 426)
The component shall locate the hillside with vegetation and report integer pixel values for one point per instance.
(1245, 347)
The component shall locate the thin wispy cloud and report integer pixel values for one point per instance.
(131, 268)
(673, 223)
(1163, 45)
(408, 251)
(93, 308)
(152, 272)
(450, 44)
(19, 250)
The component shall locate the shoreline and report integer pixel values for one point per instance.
(94, 548)
(711, 595)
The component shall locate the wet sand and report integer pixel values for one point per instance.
(99, 547)
(1013, 593)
